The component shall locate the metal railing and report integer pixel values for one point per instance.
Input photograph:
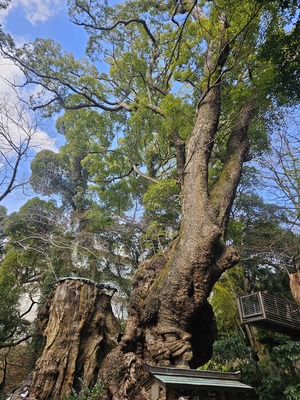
(259, 307)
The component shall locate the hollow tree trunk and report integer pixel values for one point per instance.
(80, 329)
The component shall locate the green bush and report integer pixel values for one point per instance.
(97, 392)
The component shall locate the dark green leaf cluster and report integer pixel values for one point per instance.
(97, 392)
(118, 176)
(283, 50)
(12, 325)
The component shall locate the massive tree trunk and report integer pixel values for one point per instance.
(80, 329)
(170, 321)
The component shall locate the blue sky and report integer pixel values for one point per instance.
(27, 20)
(44, 19)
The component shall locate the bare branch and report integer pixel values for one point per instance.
(33, 302)
(17, 131)
(15, 342)
(120, 22)
(149, 178)
(222, 193)
(114, 25)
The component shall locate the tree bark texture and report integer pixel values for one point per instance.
(80, 329)
(170, 320)
(295, 285)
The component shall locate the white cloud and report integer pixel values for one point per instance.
(35, 10)
(20, 124)
(40, 10)
(41, 140)
(9, 72)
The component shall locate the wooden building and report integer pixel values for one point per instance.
(186, 384)
(267, 311)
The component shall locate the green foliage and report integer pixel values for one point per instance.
(282, 49)
(122, 128)
(266, 243)
(26, 262)
(274, 377)
(3, 215)
(133, 113)
(97, 392)
(14, 326)
(278, 373)
(11, 325)
(35, 216)
(261, 233)
(179, 115)
(292, 392)
(30, 232)
(224, 301)
(162, 213)
(52, 175)
(230, 353)
(287, 351)
(161, 202)
(47, 175)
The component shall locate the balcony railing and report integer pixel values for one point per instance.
(270, 312)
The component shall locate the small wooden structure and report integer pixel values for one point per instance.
(267, 311)
(166, 383)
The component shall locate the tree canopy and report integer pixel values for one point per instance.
(172, 101)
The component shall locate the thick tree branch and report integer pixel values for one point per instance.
(96, 26)
(90, 99)
(223, 192)
(202, 140)
(180, 155)
(119, 22)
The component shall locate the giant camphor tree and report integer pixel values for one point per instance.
(186, 99)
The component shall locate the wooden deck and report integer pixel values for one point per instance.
(270, 312)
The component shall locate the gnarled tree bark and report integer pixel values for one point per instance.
(170, 320)
(80, 330)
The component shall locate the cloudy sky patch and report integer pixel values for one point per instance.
(35, 11)
(23, 19)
